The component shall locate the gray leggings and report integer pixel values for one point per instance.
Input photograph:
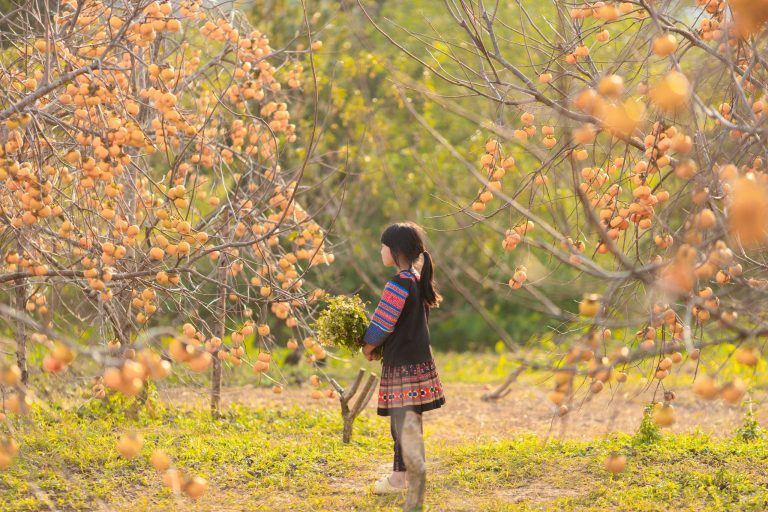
(397, 419)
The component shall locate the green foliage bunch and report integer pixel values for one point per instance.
(342, 323)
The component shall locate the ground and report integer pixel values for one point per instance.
(284, 452)
(523, 411)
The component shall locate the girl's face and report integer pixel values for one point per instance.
(386, 256)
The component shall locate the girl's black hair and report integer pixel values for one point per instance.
(406, 243)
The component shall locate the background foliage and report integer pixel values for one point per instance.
(384, 168)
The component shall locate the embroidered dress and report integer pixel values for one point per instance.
(409, 379)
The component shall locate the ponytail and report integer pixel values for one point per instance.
(427, 285)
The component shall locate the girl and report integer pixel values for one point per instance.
(409, 378)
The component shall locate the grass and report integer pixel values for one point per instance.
(288, 458)
(682, 472)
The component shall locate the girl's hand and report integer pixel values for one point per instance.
(368, 352)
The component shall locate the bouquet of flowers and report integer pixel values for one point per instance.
(342, 323)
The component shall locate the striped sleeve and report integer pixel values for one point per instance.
(386, 314)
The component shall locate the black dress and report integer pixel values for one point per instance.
(409, 379)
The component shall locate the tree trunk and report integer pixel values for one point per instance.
(348, 414)
(347, 433)
(221, 318)
(216, 388)
(21, 330)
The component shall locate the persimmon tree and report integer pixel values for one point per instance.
(626, 158)
(141, 191)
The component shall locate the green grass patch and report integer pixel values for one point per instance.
(287, 458)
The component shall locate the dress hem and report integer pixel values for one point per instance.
(416, 408)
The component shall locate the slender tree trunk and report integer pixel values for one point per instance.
(221, 317)
(349, 413)
(21, 330)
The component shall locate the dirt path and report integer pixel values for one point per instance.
(524, 410)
